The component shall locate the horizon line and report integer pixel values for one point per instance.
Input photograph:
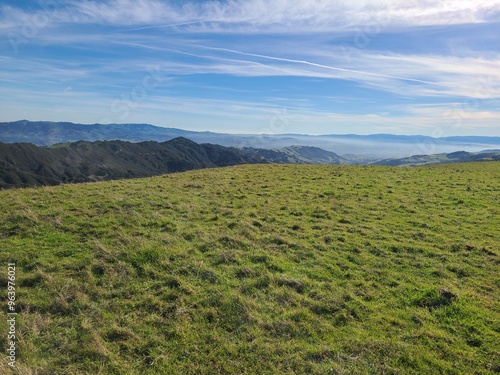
(254, 134)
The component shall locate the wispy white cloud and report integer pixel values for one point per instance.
(288, 15)
(415, 75)
(473, 75)
(260, 16)
(317, 65)
(469, 77)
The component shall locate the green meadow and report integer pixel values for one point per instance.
(258, 269)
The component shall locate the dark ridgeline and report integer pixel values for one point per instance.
(24, 164)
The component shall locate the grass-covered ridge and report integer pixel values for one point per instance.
(259, 270)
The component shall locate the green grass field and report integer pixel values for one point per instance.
(258, 270)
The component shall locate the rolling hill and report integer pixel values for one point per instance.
(24, 164)
(453, 157)
(258, 269)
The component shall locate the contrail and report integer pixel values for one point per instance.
(162, 26)
(320, 65)
(155, 48)
(304, 62)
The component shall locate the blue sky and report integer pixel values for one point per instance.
(255, 66)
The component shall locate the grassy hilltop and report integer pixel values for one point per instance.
(259, 270)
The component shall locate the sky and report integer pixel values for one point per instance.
(255, 66)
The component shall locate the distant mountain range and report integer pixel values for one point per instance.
(25, 164)
(356, 148)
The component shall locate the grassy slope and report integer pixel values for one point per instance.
(259, 270)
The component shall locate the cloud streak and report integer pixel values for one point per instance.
(259, 16)
(289, 15)
(304, 62)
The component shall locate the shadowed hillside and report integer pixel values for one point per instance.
(23, 164)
